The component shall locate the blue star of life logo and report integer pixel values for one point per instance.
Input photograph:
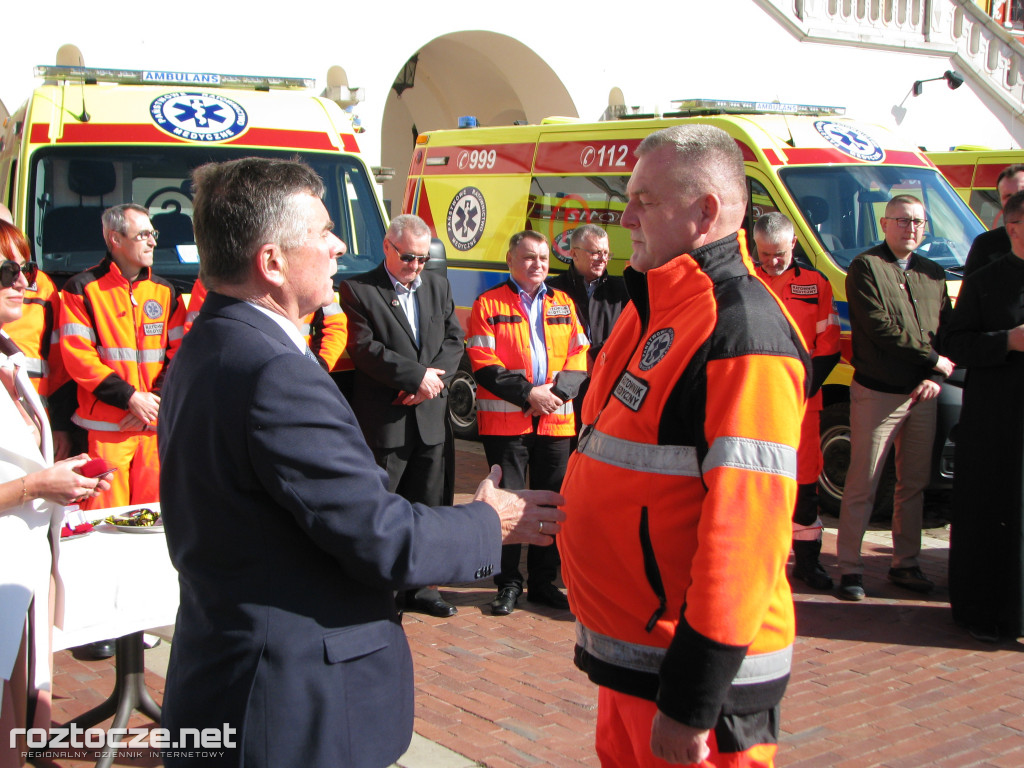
(850, 140)
(467, 216)
(199, 117)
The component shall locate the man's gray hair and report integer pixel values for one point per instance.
(584, 231)
(775, 227)
(710, 160)
(114, 219)
(407, 222)
(241, 204)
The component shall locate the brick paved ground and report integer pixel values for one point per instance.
(888, 682)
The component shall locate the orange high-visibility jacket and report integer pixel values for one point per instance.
(807, 296)
(499, 350)
(680, 494)
(325, 331)
(37, 335)
(117, 338)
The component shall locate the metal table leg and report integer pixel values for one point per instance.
(129, 694)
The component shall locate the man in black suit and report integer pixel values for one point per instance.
(989, 245)
(598, 296)
(287, 543)
(405, 342)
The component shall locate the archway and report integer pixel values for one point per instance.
(491, 76)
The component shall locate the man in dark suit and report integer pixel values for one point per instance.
(287, 543)
(405, 342)
(988, 246)
(598, 296)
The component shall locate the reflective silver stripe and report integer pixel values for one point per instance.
(758, 668)
(127, 354)
(497, 406)
(190, 317)
(565, 409)
(175, 333)
(55, 336)
(334, 308)
(675, 460)
(764, 667)
(78, 329)
(98, 426)
(578, 341)
(755, 455)
(480, 341)
(35, 367)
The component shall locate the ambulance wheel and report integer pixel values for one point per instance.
(462, 401)
(835, 452)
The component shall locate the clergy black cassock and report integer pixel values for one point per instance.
(986, 554)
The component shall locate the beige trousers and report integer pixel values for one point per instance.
(877, 421)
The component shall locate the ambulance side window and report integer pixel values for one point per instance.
(559, 204)
(760, 203)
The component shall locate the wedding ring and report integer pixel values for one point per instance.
(542, 526)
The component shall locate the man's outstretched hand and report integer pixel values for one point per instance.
(527, 517)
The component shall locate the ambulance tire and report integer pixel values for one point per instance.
(835, 452)
(462, 401)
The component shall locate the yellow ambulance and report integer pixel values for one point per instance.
(90, 138)
(972, 172)
(831, 176)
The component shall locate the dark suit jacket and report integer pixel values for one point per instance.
(986, 248)
(288, 550)
(387, 360)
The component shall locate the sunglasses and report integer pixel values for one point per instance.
(408, 257)
(9, 272)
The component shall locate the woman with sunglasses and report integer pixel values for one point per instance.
(35, 334)
(33, 492)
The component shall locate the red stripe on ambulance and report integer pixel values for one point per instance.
(475, 161)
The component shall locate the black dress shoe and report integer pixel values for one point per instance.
(548, 594)
(505, 602)
(438, 607)
(101, 649)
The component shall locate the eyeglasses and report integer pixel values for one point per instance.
(143, 235)
(905, 223)
(598, 254)
(9, 271)
(409, 257)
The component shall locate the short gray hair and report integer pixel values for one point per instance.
(775, 227)
(407, 222)
(114, 219)
(709, 160)
(584, 231)
(240, 204)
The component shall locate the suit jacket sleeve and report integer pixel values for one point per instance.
(449, 355)
(369, 354)
(307, 448)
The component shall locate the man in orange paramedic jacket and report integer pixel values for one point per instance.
(120, 326)
(679, 497)
(529, 357)
(807, 296)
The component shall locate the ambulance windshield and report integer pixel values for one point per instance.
(70, 188)
(842, 205)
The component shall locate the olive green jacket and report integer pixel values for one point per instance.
(894, 319)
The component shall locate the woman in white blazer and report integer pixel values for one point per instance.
(33, 492)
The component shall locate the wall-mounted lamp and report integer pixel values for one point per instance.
(953, 79)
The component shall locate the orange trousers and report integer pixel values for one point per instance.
(624, 738)
(137, 479)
